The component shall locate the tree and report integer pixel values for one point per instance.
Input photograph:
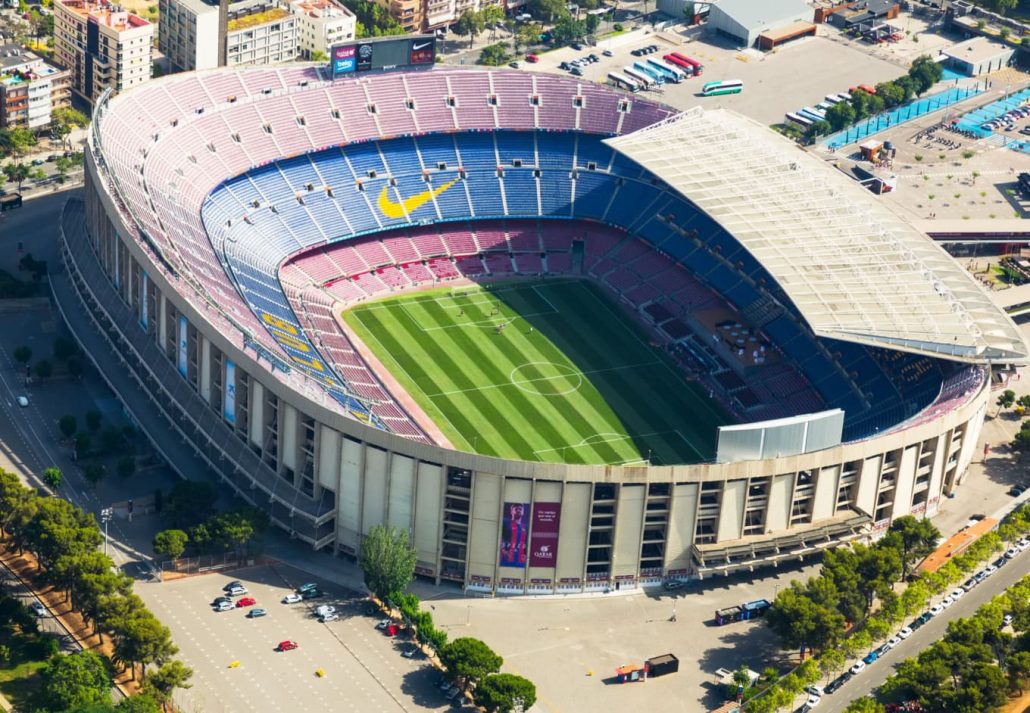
(387, 561)
(1018, 667)
(470, 23)
(75, 681)
(801, 622)
(53, 477)
(93, 420)
(525, 35)
(16, 173)
(915, 538)
(568, 30)
(468, 660)
(373, 20)
(83, 441)
(319, 56)
(44, 369)
(1021, 442)
(891, 93)
(74, 366)
(94, 472)
(22, 354)
(1007, 398)
(592, 23)
(191, 501)
(818, 128)
(547, 10)
(1024, 401)
(67, 425)
(171, 543)
(865, 705)
(495, 55)
(505, 692)
(126, 466)
(163, 682)
(63, 348)
(840, 115)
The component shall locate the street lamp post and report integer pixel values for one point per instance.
(105, 517)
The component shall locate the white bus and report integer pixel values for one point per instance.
(727, 86)
(639, 77)
(623, 82)
(671, 72)
(799, 120)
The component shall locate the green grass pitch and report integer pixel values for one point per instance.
(569, 379)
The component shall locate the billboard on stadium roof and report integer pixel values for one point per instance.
(381, 54)
(780, 437)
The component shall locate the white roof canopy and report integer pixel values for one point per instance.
(855, 270)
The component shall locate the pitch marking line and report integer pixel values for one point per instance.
(541, 378)
(604, 437)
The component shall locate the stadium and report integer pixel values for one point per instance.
(566, 337)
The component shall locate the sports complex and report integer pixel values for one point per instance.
(566, 337)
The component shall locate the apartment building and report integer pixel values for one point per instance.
(322, 24)
(261, 32)
(30, 88)
(409, 13)
(102, 45)
(441, 13)
(188, 33)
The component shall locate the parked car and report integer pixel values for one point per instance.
(838, 682)
(577, 72)
(871, 657)
(1000, 562)
(957, 593)
(577, 46)
(1017, 490)
(292, 598)
(532, 58)
(410, 653)
(816, 691)
(38, 609)
(969, 584)
(1023, 544)
(311, 594)
(564, 66)
(925, 617)
(904, 633)
(515, 65)
(947, 601)
(673, 584)
(329, 616)
(858, 668)
(246, 602)
(309, 586)
(1011, 552)
(990, 569)
(257, 613)
(219, 600)
(23, 401)
(892, 642)
(383, 623)
(237, 591)
(232, 585)
(225, 606)
(325, 609)
(38, 162)
(286, 645)
(608, 53)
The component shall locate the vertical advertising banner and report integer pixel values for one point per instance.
(543, 545)
(182, 346)
(514, 535)
(144, 304)
(229, 402)
(343, 60)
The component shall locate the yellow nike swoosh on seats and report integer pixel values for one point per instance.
(409, 205)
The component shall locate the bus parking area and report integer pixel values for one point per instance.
(816, 66)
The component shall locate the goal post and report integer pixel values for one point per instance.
(464, 290)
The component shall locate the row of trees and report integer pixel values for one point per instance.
(223, 532)
(975, 665)
(892, 610)
(65, 542)
(81, 683)
(1007, 399)
(388, 564)
(372, 19)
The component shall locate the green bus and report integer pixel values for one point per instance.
(728, 86)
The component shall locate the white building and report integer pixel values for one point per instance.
(261, 32)
(188, 33)
(742, 21)
(978, 56)
(30, 88)
(102, 45)
(322, 23)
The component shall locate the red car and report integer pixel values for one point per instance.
(245, 602)
(287, 645)
(532, 58)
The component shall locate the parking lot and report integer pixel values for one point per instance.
(363, 667)
(801, 73)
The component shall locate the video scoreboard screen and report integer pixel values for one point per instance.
(382, 54)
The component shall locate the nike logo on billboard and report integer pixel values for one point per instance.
(409, 205)
(421, 46)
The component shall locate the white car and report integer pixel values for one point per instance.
(38, 609)
(328, 616)
(325, 609)
(957, 594)
(947, 601)
(1006, 620)
(1023, 544)
(383, 623)
(409, 653)
(904, 633)
(816, 691)
(292, 598)
(894, 641)
(23, 401)
(237, 591)
(812, 702)
(858, 668)
(990, 569)
(1011, 552)
(225, 606)
(937, 609)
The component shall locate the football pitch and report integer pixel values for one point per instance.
(540, 371)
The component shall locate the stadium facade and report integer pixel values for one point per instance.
(212, 200)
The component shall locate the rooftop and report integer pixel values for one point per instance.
(976, 50)
(107, 14)
(15, 56)
(320, 8)
(252, 17)
(852, 268)
(750, 13)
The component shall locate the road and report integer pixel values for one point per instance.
(864, 683)
(13, 586)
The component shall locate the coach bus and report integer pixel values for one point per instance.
(639, 77)
(623, 82)
(671, 73)
(809, 111)
(801, 121)
(687, 68)
(743, 612)
(650, 71)
(727, 86)
(10, 201)
(696, 67)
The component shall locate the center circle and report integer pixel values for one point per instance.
(546, 378)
